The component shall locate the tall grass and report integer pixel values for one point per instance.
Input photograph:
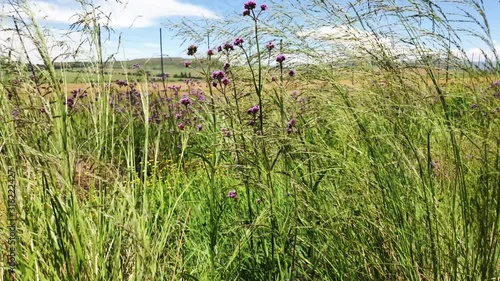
(379, 163)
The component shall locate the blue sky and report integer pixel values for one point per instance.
(138, 22)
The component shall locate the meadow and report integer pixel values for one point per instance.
(366, 167)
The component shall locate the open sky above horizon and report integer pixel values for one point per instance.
(138, 22)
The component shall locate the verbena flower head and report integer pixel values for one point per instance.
(253, 110)
(192, 50)
(291, 72)
(219, 49)
(136, 66)
(238, 41)
(280, 58)
(228, 47)
(181, 126)
(263, 7)
(246, 13)
(232, 194)
(250, 5)
(185, 101)
(199, 127)
(225, 81)
(210, 52)
(226, 66)
(187, 63)
(218, 74)
(270, 46)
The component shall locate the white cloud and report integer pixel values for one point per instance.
(132, 13)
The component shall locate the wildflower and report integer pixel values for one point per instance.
(218, 74)
(199, 127)
(225, 81)
(263, 7)
(136, 66)
(246, 13)
(181, 126)
(228, 47)
(273, 79)
(232, 194)
(192, 50)
(185, 101)
(226, 66)
(178, 116)
(238, 41)
(210, 52)
(250, 5)
(280, 58)
(474, 106)
(219, 49)
(251, 122)
(214, 83)
(253, 110)
(291, 72)
(270, 46)
(292, 122)
(187, 63)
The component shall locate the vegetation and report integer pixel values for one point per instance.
(374, 164)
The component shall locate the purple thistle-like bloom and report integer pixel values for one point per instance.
(291, 72)
(228, 47)
(226, 66)
(185, 101)
(238, 41)
(187, 63)
(280, 58)
(218, 74)
(214, 83)
(232, 194)
(225, 81)
(210, 52)
(181, 126)
(270, 46)
(178, 116)
(246, 13)
(263, 7)
(192, 50)
(250, 5)
(253, 110)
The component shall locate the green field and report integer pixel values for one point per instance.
(369, 167)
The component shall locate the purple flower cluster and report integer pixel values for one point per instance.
(121, 83)
(232, 194)
(238, 42)
(269, 46)
(192, 50)
(250, 5)
(187, 63)
(185, 100)
(210, 52)
(280, 58)
(218, 75)
(253, 110)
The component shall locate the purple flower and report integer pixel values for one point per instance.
(199, 127)
(181, 126)
(273, 79)
(270, 46)
(214, 83)
(228, 47)
(495, 84)
(187, 63)
(219, 49)
(292, 122)
(253, 110)
(218, 74)
(225, 81)
(250, 5)
(232, 194)
(474, 106)
(280, 58)
(210, 52)
(185, 101)
(263, 7)
(291, 72)
(226, 66)
(192, 50)
(136, 66)
(238, 41)
(178, 116)
(246, 13)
